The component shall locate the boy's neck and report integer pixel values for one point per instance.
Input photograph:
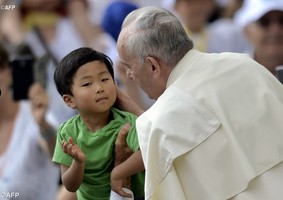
(96, 122)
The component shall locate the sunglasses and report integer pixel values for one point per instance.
(266, 22)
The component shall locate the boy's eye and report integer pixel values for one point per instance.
(104, 79)
(86, 84)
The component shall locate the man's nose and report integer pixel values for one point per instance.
(129, 74)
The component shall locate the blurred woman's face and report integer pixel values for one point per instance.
(266, 35)
(42, 5)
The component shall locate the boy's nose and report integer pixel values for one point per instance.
(99, 88)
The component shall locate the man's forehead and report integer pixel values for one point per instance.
(128, 30)
(123, 37)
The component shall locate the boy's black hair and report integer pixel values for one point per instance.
(69, 65)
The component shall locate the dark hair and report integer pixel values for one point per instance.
(69, 65)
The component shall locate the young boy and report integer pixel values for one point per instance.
(85, 143)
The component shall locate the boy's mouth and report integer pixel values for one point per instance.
(101, 99)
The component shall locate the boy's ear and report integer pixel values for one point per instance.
(68, 99)
(155, 67)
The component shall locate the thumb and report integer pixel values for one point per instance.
(121, 139)
(71, 141)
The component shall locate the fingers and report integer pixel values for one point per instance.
(123, 193)
(127, 182)
(121, 139)
(65, 146)
(71, 141)
(68, 146)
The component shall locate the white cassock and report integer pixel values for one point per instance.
(216, 132)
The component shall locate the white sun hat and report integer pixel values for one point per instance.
(252, 10)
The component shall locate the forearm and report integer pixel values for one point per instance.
(78, 12)
(73, 176)
(132, 165)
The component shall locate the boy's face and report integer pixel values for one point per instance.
(93, 89)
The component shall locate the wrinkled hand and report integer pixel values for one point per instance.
(39, 102)
(117, 185)
(73, 150)
(124, 102)
(122, 151)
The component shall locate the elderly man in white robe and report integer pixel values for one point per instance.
(215, 131)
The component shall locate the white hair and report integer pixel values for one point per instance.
(158, 33)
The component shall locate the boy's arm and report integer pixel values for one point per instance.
(72, 176)
(132, 165)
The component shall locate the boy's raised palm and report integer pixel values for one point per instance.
(73, 150)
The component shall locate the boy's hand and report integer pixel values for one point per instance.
(73, 150)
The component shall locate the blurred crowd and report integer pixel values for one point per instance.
(48, 30)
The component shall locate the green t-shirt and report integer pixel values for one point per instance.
(99, 150)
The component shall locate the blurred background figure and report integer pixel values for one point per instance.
(210, 30)
(262, 23)
(98, 7)
(114, 16)
(27, 140)
(227, 8)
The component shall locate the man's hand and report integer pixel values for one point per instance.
(117, 184)
(122, 151)
(126, 103)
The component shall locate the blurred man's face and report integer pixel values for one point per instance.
(266, 35)
(195, 13)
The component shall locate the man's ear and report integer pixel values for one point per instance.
(68, 99)
(154, 66)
